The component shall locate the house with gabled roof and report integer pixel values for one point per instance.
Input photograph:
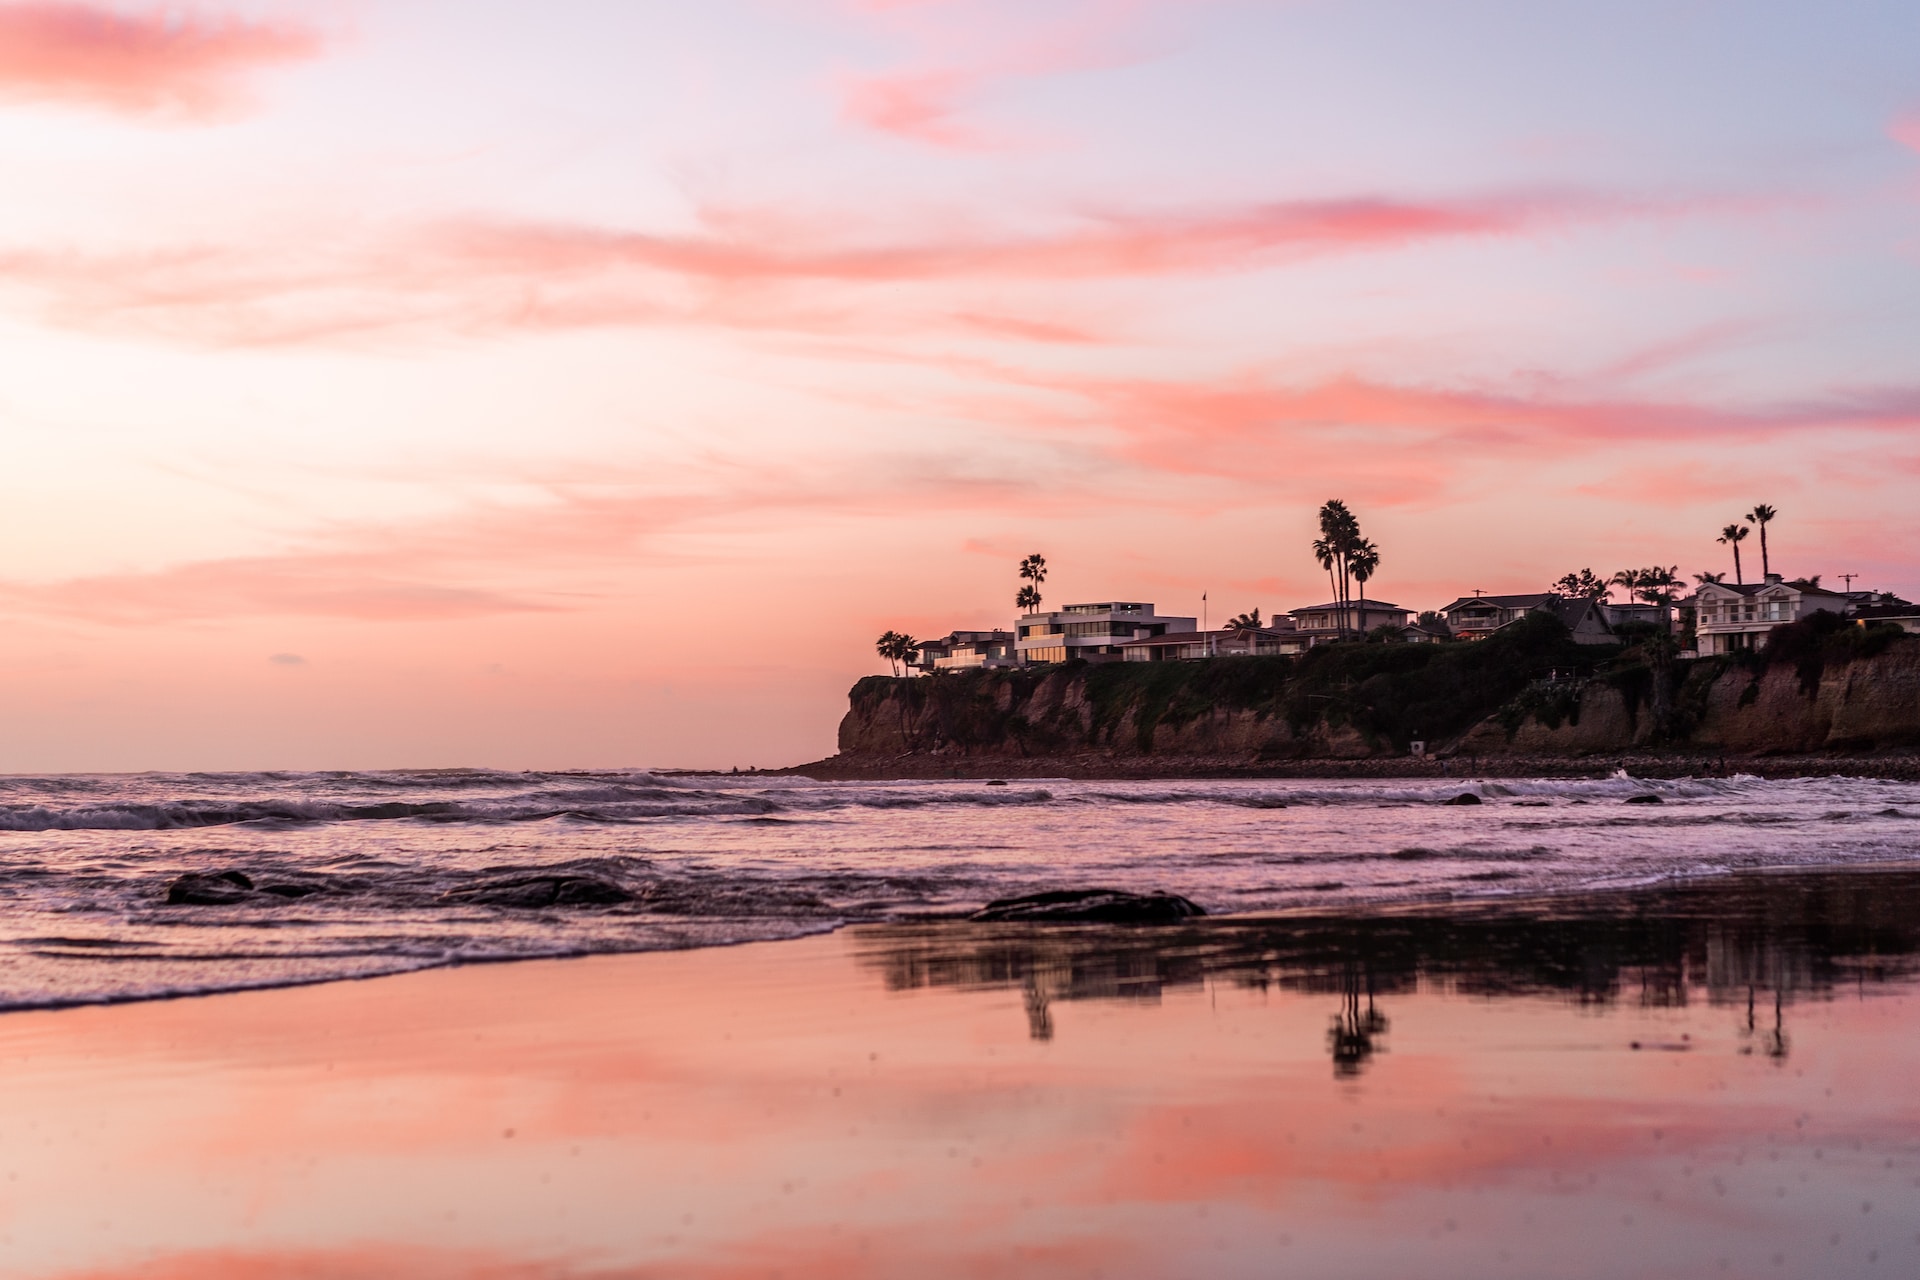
(1729, 617)
(1478, 616)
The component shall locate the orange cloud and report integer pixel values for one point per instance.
(917, 105)
(161, 61)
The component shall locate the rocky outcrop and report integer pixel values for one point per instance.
(1089, 906)
(1366, 705)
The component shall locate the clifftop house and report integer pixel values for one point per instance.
(1477, 617)
(1729, 617)
(960, 650)
(1320, 622)
(1091, 631)
(1232, 642)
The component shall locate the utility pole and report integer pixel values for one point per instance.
(1848, 579)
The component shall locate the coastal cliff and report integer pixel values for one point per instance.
(1526, 699)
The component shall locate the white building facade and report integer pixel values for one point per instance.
(1091, 631)
(1729, 617)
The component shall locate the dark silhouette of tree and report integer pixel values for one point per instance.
(1335, 547)
(1583, 585)
(1704, 578)
(1244, 621)
(897, 648)
(1363, 561)
(1733, 535)
(1761, 516)
(1034, 571)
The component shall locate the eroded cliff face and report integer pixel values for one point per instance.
(1865, 704)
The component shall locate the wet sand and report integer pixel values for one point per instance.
(1712, 1080)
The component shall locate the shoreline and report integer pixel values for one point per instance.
(1903, 766)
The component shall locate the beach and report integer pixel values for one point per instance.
(1683, 1081)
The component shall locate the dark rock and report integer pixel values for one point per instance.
(996, 782)
(1465, 797)
(542, 891)
(209, 889)
(1092, 906)
(291, 890)
(1645, 797)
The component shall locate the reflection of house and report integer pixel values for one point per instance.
(963, 649)
(1888, 608)
(1317, 623)
(1476, 617)
(1234, 642)
(1730, 617)
(1094, 631)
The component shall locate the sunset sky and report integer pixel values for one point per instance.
(587, 383)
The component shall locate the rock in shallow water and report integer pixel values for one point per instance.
(1092, 906)
(1645, 797)
(542, 891)
(1465, 797)
(209, 889)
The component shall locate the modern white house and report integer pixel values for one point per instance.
(1091, 631)
(1477, 616)
(1233, 642)
(960, 650)
(1729, 617)
(1317, 623)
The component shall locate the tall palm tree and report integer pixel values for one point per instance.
(1762, 515)
(1027, 600)
(1034, 571)
(1363, 561)
(1735, 534)
(1339, 535)
(1323, 551)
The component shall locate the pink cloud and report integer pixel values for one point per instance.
(1905, 130)
(750, 268)
(160, 61)
(917, 105)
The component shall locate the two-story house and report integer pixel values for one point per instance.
(1476, 617)
(1318, 623)
(1730, 617)
(1233, 642)
(1091, 631)
(962, 649)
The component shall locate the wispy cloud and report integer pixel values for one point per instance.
(1905, 129)
(168, 61)
(751, 268)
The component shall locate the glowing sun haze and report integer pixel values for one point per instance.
(588, 383)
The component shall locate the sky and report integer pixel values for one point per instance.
(406, 383)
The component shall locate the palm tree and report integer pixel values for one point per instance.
(1627, 580)
(1034, 570)
(1656, 587)
(888, 647)
(1704, 578)
(1027, 600)
(1735, 534)
(1339, 537)
(1363, 561)
(1246, 622)
(1761, 515)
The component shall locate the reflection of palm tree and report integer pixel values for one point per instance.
(1039, 1015)
(1351, 1037)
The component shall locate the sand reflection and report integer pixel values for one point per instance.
(1697, 1081)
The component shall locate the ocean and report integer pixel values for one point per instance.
(129, 887)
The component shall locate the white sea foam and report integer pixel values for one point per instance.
(359, 874)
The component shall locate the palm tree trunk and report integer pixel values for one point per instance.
(1737, 578)
(1766, 566)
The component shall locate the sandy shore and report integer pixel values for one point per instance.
(1896, 766)
(1332, 1099)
